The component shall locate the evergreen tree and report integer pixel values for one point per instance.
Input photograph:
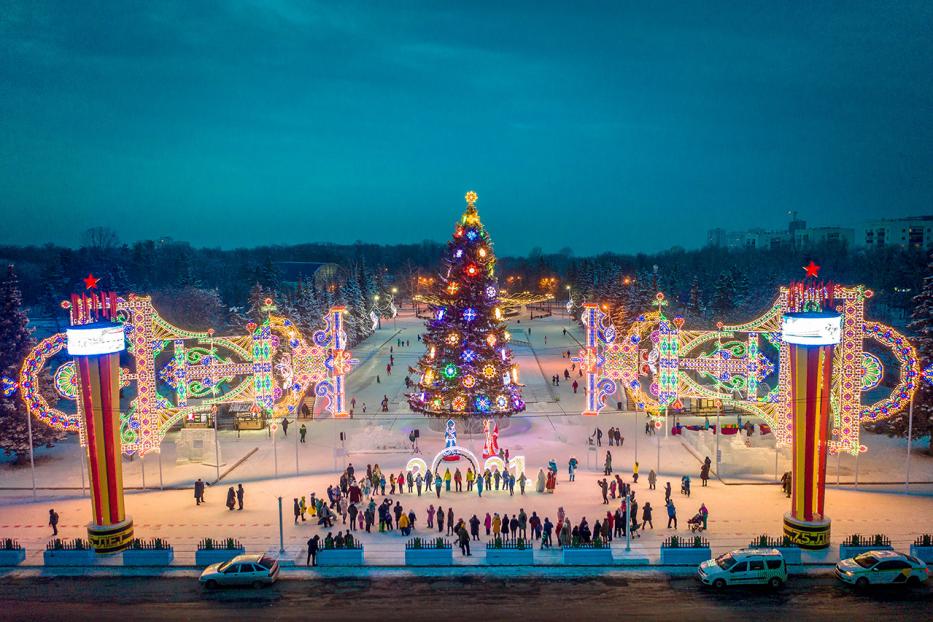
(467, 369)
(16, 339)
(921, 335)
(724, 296)
(693, 302)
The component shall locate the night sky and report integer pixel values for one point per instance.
(605, 126)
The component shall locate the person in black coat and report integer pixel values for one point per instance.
(313, 545)
(474, 527)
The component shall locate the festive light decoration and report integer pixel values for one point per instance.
(746, 366)
(462, 351)
(811, 332)
(95, 341)
(452, 452)
(271, 367)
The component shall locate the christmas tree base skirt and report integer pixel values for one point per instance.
(111, 538)
(807, 534)
(468, 426)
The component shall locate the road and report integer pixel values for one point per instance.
(474, 598)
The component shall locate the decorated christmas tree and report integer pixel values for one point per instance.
(467, 369)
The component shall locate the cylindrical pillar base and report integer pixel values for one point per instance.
(111, 538)
(812, 534)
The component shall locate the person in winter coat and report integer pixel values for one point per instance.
(479, 486)
(521, 482)
(447, 479)
(231, 498)
(458, 481)
(474, 527)
(411, 482)
(352, 511)
(382, 484)
(296, 508)
(607, 467)
(313, 546)
(438, 482)
(671, 514)
(535, 523)
(430, 516)
(470, 478)
(419, 482)
(572, 468)
(428, 480)
(705, 514)
(604, 487)
(561, 515)
(496, 525)
(704, 472)
(464, 539)
(487, 523)
(646, 516)
(511, 479)
(635, 473)
(612, 489)
(667, 492)
(498, 478)
(450, 520)
(199, 491)
(546, 529)
(652, 479)
(239, 496)
(440, 519)
(539, 487)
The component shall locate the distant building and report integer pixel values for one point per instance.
(909, 232)
(321, 274)
(844, 236)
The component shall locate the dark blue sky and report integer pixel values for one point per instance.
(605, 126)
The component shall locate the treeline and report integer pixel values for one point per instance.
(200, 287)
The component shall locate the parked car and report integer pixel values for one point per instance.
(254, 570)
(744, 567)
(882, 567)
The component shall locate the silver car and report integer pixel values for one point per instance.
(254, 570)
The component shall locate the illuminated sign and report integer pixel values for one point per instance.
(812, 328)
(92, 339)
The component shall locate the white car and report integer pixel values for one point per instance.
(882, 567)
(744, 567)
(253, 570)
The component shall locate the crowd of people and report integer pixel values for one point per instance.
(352, 502)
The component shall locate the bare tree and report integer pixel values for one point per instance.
(100, 239)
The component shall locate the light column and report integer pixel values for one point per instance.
(96, 348)
(811, 337)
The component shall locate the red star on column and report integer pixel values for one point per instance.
(90, 281)
(813, 270)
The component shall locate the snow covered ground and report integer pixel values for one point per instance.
(741, 506)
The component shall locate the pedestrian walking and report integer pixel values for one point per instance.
(285, 426)
(671, 514)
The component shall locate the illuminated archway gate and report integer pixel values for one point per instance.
(174, 372)
(658, 363)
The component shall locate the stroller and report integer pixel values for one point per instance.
(696, 523)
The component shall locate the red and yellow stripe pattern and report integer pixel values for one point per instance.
(811, 383)
(100, 399)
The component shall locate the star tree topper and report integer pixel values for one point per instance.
(813, 270)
